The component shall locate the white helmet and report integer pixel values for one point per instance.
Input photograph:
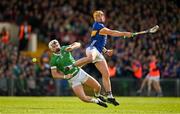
(52, 42)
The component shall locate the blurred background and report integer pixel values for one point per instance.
(26, 27)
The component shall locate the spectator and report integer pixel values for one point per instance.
(3, 84)
(51, 88)
(21, 85)
(5, 37)
(137, 72)
(31, 85)
(112, 69)
(137, 69)
(24, 35)
(154, 75)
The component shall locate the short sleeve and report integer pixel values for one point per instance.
(53, 63)
(64, 47)
(98, 26)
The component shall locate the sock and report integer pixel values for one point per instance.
(94, 100)
(97, 94)
(109, 94)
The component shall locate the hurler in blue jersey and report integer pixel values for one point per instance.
(95, 49)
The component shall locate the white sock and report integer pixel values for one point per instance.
(97, 94)
(94, 100)
(109, 95)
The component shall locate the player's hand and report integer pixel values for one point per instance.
(68, 76)
(69, 48)
(109, 52)
(130, 35)
(69, 67)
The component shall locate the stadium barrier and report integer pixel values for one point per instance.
(120, 87)
(129, 87)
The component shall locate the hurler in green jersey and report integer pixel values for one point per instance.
(60, 60)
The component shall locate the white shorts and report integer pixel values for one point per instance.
(97, 55)
(147, 76)
(154, 78)
(80, 78)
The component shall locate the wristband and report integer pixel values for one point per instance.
(133, 34)
(124, 37)
(64, 76)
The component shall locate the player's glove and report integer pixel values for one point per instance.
(69, 67)
(132, 35)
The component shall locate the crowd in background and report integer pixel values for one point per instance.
(19, 73)
(71, 20)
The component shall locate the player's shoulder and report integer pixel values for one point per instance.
(53, 56)
(63, 48)
(98, 25)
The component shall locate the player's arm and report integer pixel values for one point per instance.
(73, 46)
(59, 75)
(106, 31)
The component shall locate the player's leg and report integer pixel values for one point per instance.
(83, 61)
(149, 86)
(159, 88)
(79, 92)
(92, 83)
(103, 68)
(156, 85)
(144, 82)
(91, 54)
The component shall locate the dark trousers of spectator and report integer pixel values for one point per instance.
(20, 93)
(32, 92)
(3, 93)
(23, 44)
(137, 82)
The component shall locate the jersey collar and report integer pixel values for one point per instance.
(58, 54)
(99, 22)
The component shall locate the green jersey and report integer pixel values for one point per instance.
(62, 60)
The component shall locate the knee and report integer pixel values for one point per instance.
(99, 86)
(90, 59)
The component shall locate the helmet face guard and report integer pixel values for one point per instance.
(53, 45)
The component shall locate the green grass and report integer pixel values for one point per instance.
(72, 105)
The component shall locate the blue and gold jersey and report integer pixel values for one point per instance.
(97, 40)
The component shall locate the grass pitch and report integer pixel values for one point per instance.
(72, 105)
